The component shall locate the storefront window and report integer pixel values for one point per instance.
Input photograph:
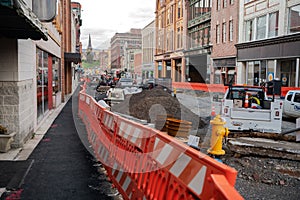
(56, 74)
(294, 19)
(250, 75)
(257, 73)
(263, 72)
(169, 69)
(217, 78)
(42, 83)
(256, 78)
(288, 73)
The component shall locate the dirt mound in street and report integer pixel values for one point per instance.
(148, 104)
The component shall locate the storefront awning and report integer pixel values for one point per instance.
(72, 57)
(18, 21)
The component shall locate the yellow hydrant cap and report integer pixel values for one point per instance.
(217, 121)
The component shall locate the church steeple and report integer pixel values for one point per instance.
(90, 43)
(89, 52)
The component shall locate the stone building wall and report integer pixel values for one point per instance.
(17, 109)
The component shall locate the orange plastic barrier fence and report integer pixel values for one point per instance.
(144, 163)
(200, 86)
(217, 87)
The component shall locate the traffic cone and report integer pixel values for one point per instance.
(246, 104)
(213, 110)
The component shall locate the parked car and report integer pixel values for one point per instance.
(291, 104)
(124, 82)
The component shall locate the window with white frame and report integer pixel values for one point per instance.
(218, 33)
(249, 30)
(261, 27)
(224, 3)
(231, 30)
(231, 2)
(224, 32)
(273, 24)
(218, 4)
(294, 19)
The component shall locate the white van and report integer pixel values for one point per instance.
(291, 104)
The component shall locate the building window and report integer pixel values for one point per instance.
(273, 24)
(224, 3)
(178, 38)
(294, 19)
(218, 34)
(168, 16)
(261, 27)
(179, 8)
(218, 4)
(56, 75)
(231, 30)
(249, 30)
(224, 32)
(231, 2)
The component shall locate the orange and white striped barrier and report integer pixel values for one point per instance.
(144, 163)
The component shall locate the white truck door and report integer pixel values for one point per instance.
(287, 106)
(295, 105)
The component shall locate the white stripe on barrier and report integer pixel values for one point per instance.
(126, 183)
(119, 176)
(180, 165)
(87, 100)
(93, 137)
(110, 122)
(81, 97)
(114, 167)
(105, 156)
(126, 133)
(106, 119)
(156, 143)
(198, 181)
(100, 150)
(164, 154)
(136, 134)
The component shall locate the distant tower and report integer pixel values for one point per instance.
(89, 52)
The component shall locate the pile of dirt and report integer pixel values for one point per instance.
(149, 104)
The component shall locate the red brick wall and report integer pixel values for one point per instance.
(224, 15)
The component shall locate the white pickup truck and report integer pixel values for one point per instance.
(291, 104)
(261, 114)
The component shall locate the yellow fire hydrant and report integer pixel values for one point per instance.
(174, 92)
(217, 135)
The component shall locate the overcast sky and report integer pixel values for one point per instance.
(103, 18)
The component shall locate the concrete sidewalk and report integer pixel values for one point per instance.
(21, 154)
